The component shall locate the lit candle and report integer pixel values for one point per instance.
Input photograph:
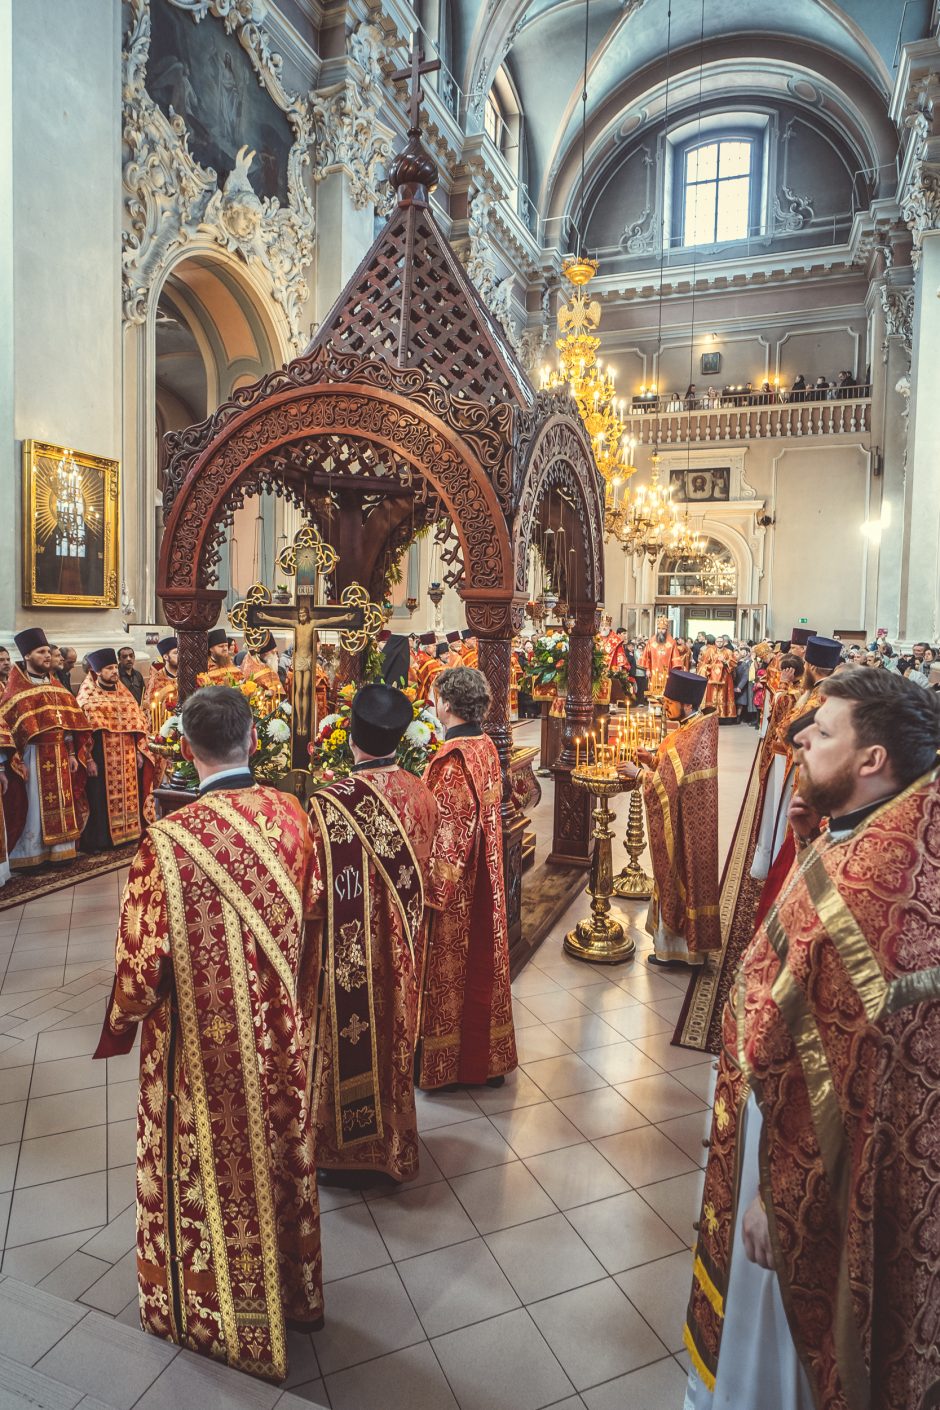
(577, 751)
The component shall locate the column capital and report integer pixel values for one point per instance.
(920, 206)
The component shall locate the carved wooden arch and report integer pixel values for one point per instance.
(234, 456)
(560, 458)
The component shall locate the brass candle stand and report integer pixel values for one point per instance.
(600, 939)
(633, 883)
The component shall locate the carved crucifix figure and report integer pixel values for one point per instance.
(304, 620)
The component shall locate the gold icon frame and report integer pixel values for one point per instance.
(100, 488)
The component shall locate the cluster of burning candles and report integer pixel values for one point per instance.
(627, 737)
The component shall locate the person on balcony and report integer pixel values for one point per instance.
(798, 390)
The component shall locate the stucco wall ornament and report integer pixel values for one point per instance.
(898, 305)
(637, 237)
(495, 292)
(920, 206)
(170, 199)
(349, 135)
(792, 212)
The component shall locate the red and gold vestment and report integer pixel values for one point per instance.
(211, 960)
(218, 675)
(431, 668)
(161, 697)
(834, 1023)
(9, 804)
(120, 731)
(657, 660)
(39, 717)
(374, 834)
(681, 797)
(264, 676)
(466, 1030)
(716, 664)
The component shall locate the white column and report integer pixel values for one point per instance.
(65, 148)
(920, 579)
(9, 459)
(890, 413)
(344, 234)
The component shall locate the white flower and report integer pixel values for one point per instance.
(418, 734)
(170, 726)
(329, 720)
(285, 707)
(279, 731)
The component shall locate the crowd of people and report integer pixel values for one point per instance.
(296, 970)
(843, 387)
(263, 943)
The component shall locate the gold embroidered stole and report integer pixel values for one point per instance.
(220, 1050)
(358, 827)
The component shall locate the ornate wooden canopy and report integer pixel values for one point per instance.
(409, 407)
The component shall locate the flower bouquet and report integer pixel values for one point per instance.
(547, 673)
(271, 715)
(331, 752)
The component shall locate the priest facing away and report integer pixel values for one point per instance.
(373, 836)
(680, 791)
(466, 1033)
(210, 962)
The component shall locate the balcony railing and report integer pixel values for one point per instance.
(728, 421)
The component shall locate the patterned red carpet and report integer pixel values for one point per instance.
(28, 886)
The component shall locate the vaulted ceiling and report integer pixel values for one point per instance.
(837, 55)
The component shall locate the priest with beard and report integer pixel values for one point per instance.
(51, 757)
(815, 1277)
(374, 831)
(659, 656)
(220, 669)
(161, 694)
(119, 790)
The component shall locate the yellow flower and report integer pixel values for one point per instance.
(248, 687)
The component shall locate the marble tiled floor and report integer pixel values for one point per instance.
(541, 1259)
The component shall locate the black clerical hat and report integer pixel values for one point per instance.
(379, 717)
(453, 637)
(30, 640)
(268, 645)
(685, 688)
(801, 635)
(218, 637)
(427, 639)
(167, 644)
(97, 660)
(466, 635)
(823, 651)
(442, 650)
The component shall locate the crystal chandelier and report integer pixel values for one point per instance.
(685, 541)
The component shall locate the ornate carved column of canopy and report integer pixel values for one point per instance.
(572, 831)
(192, 614)
(495, 624)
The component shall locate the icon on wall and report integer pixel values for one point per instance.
(70, 513)
(711, 364)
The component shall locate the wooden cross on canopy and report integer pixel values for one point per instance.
(416, 68)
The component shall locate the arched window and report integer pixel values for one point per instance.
(712, 573)
(716, 179)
